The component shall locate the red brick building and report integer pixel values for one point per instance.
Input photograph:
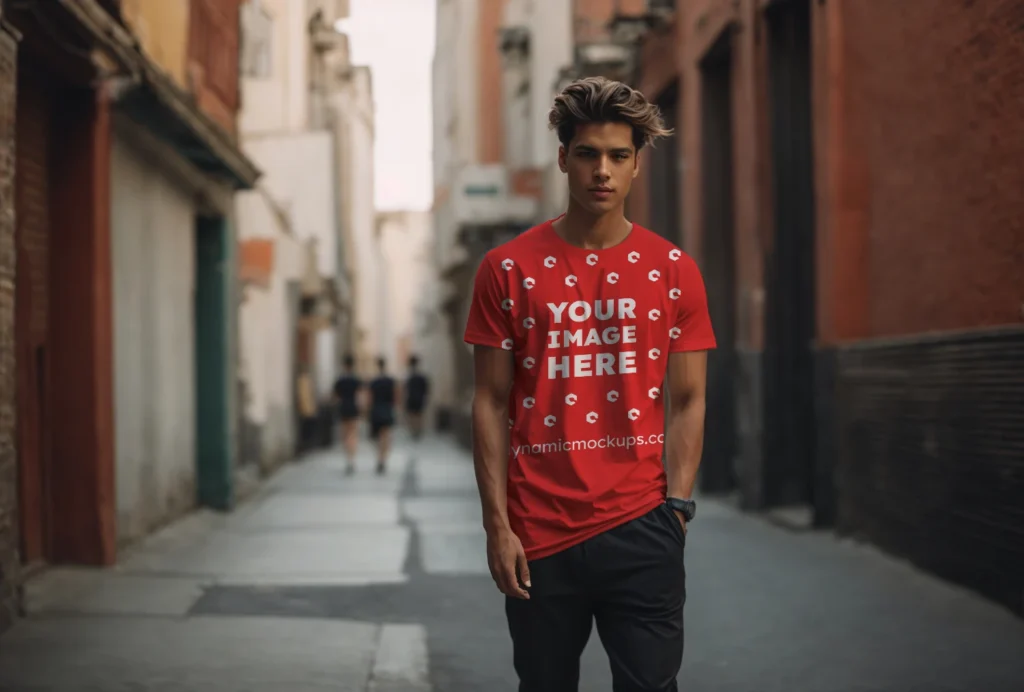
(850, 176)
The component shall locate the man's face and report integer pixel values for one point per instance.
(600, 163)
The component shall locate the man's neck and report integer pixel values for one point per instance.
(591, 232)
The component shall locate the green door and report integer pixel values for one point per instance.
(214, 450)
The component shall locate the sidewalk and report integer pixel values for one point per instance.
(134, 626)
(367, 584)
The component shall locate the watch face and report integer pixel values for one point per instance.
(687, 507)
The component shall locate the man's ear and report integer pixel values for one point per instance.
(636, 165)
(561, 160)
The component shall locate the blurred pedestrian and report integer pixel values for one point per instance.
(346, 393)
(417, 388)
(576, 323)
(383, 396)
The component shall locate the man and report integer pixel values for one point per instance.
(416, 389)
(575, 324)
(346, 392)
(382, 413)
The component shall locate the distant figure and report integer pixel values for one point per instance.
(382, 412)
(417, 387)
(346, 393)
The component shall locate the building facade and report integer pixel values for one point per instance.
(405, 241)
(352, 114)
(296, 310)
(856, 320)
(123, 334)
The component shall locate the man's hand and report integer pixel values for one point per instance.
(507, 561)
(681, 518)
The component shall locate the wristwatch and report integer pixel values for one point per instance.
(688, 508)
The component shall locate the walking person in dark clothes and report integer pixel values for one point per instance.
(383, 396)
(346, 398)
(575, 324)
(417, 388)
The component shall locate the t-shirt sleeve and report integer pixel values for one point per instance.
(692, 320)
(488, 324)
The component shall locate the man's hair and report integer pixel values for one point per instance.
(349, 361)
(382, 363)
(601, 100)
(414, 360)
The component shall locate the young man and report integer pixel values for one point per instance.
(417, 387)
(382, 412)
(576, 323)
(346, 393)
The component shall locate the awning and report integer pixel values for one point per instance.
(151, 98)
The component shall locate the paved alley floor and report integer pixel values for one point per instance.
(362, 583)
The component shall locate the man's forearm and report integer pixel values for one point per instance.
(490, 460)
(685, 443)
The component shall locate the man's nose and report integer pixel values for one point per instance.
(602, 171)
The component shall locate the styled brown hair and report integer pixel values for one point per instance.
(601, 100)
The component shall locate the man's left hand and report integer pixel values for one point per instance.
(681, 518)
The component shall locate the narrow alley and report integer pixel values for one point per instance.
(327, 582)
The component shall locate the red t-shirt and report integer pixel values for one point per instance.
(590, 331)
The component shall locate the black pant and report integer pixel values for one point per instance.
(632, 582)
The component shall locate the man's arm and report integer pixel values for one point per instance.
(494, 371)
(687, 376)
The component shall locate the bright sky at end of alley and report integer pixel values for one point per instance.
(396, 39)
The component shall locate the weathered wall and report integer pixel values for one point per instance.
(267, 341)
(153, 231)
(9, 560)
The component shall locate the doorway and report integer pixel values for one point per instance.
(214, 375)
(719, 251)
(789, 419)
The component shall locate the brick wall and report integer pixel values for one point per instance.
(9, 560)
(931, 454)
(937, 115)
(32, 240)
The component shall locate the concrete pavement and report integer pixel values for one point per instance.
(328, 582)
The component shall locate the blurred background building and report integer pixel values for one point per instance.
(295, 227)
(849, 182)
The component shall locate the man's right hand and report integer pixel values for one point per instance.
(507, 561)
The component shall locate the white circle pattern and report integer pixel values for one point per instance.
(572, 280)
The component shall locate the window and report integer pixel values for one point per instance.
(257, 32)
